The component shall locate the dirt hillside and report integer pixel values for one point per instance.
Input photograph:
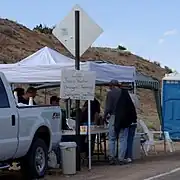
(17, 42)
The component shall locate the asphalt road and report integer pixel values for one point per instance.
(173, 176)
(165, 167)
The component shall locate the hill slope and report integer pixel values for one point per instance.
(17, 42)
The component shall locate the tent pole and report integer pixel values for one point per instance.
(100, 90)
(45, 95)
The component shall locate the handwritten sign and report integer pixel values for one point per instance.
(77, 84)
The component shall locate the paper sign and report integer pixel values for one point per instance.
(77, 84)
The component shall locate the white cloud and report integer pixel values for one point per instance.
(170, 32)
(161, 41)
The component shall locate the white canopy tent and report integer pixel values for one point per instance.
(46, 56)
(45, 66)
(52, 73)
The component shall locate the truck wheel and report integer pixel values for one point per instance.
(35, 163)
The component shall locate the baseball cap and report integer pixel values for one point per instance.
(114, 82)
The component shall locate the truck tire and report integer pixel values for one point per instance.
(35, 163)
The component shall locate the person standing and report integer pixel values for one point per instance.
(132, 130)
(124, 115)
(112, 99)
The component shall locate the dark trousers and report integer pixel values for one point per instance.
(131, 134)
(85, 144)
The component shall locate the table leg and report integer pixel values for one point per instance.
(98, 145)
(105, 153)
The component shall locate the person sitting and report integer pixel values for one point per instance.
(54, 100)
(95, 111)
(20, 92)
(24, 99)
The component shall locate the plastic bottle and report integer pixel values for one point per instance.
(15, 96)
(30, 101)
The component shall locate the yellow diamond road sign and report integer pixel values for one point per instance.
(65, 31)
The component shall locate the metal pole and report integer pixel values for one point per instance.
(77, 40)
(77, 67)
(89, 132)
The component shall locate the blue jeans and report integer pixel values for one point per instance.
(131, 134)
(123, 135)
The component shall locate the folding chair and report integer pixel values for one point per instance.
(142, 141)
(150, 143)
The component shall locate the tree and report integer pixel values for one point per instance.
(122, 48)
(157, 63)
(43, 29)
(168, 70)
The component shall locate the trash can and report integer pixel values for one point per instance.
(68, 157)
(137, 147)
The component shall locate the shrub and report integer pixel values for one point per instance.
(168, 70)
(122, 48)
(157, 63)
(43, 29)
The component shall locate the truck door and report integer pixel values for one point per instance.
(8, 121)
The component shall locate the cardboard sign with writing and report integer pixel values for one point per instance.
(77, 84)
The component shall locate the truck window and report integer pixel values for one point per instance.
(4, 102)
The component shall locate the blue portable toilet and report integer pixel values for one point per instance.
(171, 105)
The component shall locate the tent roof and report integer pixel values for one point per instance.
(52, 73)
(142, 81)
(45, 66)
(46, 56)
(142, 77)
(172, 76)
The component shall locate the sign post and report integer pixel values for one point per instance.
(77, 38)
(79, 85)
(89, 132)
(77, 66)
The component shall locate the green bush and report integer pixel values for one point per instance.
(43, 29)
(122, 48)
(157, 63)
(168, 70)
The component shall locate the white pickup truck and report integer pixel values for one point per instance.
(27, 133)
